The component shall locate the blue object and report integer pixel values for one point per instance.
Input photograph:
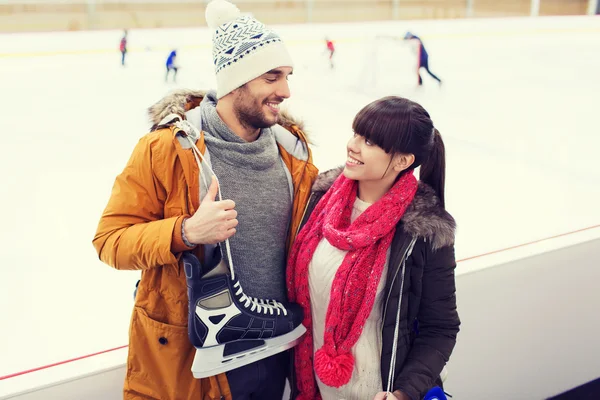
(171, 59)
(435, 393)
(424, 56)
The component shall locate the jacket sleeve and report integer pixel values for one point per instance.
(132, 233)
(438, 325)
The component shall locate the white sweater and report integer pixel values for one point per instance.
(366, 377)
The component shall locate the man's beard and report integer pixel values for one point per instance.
(249, 113)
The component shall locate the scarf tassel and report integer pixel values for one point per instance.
(334, 370)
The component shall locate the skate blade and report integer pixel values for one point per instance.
(210, 361)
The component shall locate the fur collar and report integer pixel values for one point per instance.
(425, 217)
(182, 100)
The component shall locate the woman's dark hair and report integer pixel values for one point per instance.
(399, 125)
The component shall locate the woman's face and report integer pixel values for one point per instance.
(367, 162)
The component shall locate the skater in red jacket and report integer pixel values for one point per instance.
(123, 47)
(331, 50)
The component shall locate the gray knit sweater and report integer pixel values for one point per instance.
(253, 176)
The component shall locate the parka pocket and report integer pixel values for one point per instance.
(159, 361)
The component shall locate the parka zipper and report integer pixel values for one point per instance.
(402, 260)
(304, 213)
(397, 327)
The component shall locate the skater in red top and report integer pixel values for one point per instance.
(123, 47)
(331, 50)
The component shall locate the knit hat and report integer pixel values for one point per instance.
(243, 47)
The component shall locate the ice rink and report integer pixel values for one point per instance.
(518, 111)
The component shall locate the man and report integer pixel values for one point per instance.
(422, 57)
(159, 209)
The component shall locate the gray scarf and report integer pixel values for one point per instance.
(253, 176)
(233, 150)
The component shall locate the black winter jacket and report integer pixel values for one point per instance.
(422, 264)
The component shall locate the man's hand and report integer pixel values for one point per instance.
(214, 221)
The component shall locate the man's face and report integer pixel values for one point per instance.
(256, 104)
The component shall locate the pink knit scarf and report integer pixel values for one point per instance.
(354, 287)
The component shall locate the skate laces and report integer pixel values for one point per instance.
(259, 305)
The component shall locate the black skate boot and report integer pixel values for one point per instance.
(230, 329)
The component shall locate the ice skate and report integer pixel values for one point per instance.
(230, 329)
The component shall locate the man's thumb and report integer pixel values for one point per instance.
(211, 195)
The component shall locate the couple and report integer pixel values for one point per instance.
(366, 251)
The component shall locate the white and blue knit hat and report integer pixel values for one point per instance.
(243, 48)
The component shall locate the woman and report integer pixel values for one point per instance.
(371, 232)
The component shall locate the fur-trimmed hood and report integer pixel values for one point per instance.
(182, 100)
(425, 217)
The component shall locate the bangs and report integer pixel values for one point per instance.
(386, 123)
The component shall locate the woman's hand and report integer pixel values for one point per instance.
(397, 395)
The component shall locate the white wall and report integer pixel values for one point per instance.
(529, 327)
(529, 331)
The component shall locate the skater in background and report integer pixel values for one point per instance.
(330, 48)
(172, 65)
(157, 210)
(373, 264)
(422, 57)
(123, 47)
